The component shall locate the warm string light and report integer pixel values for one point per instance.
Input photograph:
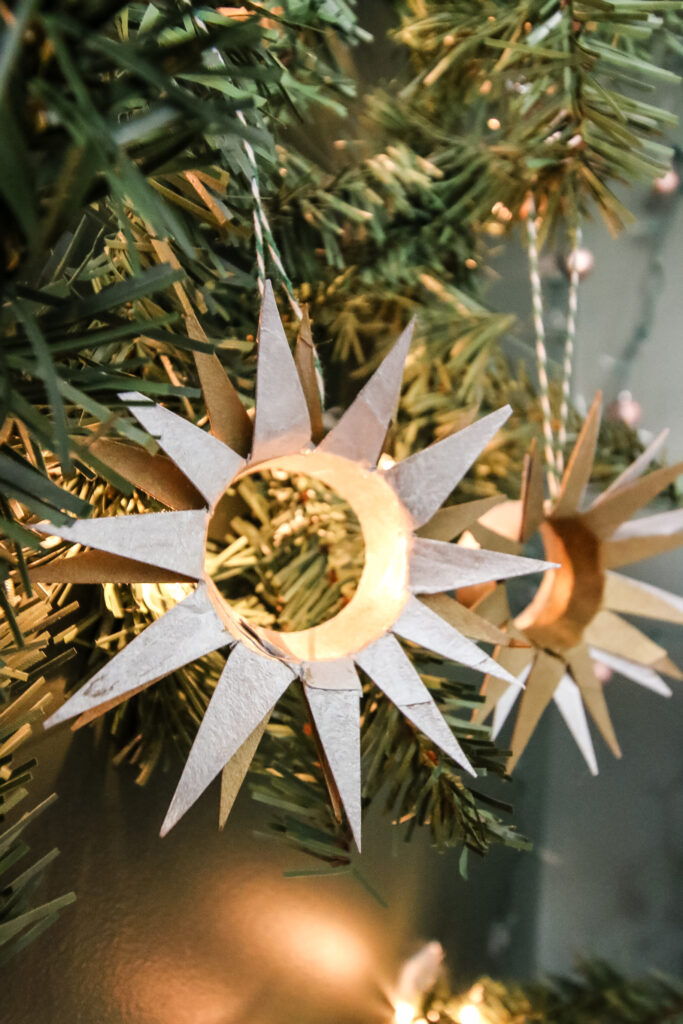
(469, 1014)
(404, 1013)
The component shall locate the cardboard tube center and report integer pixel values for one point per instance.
(382, 589)
(569, 597)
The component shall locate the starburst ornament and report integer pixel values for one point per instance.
(573, 620)
(390, 505)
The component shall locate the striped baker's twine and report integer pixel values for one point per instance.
(567, 365)
(541, 351)
(262, 230)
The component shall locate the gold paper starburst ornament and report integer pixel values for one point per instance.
(390, 505)
(574, 618)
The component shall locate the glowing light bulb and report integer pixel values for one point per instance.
(404, 1013)
(469, 1014)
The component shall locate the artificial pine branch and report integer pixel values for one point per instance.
(25, 696)
(545, 94)
(595, 992)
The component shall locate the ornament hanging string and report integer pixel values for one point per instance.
(541, 351)
(568, 361)
(263, 232)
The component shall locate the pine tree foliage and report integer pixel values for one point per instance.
(554, 98)
(595, 992)
(24, 699)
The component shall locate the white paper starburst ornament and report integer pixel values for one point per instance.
(574, 619)
(390, 505)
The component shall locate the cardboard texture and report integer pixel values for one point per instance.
(436, 566)
(392, 671)
(263, 662)
(188, 631)
(464, 620)
(234, 772)
(156, 475)
(636, 469)
(568, 700)
(577, 474)
(227, 416)
(336, 715)
(281, 421)
(423, 481)
(100, 567)
(637, 598)
(532, 493)
(422, 626)
(304, 357)
(449, 523)
(592, 692)
(359, 435)
(207, 463)
(169, 540)
(248, 688)
(574, 617)
(640, 674)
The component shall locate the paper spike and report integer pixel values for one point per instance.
(423, 481)
(663, 524)
(636, 469)
(541, 684)
(100, 567)
(235, 770)
(154, 474)
(581, 668)
(248, 688)
(604, 518)
(532, 493)
(467, 622)
(495, 536)
(391, 670)
(518, 662)
(503, 706)
(624, 594)
(611, 633)
(208, 463)
(281, 421)
(187, 631)
(304, 358)
(449, 523)
(422, 626)
(169, 540)
(360, 433)
(495, 607)
(336, 714)
(627, 551)
(667, 667)
(228, 417)
(568, 700)
(640, 674)
(437, 566)
(580, 464)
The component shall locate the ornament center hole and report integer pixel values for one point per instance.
(285, 551)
